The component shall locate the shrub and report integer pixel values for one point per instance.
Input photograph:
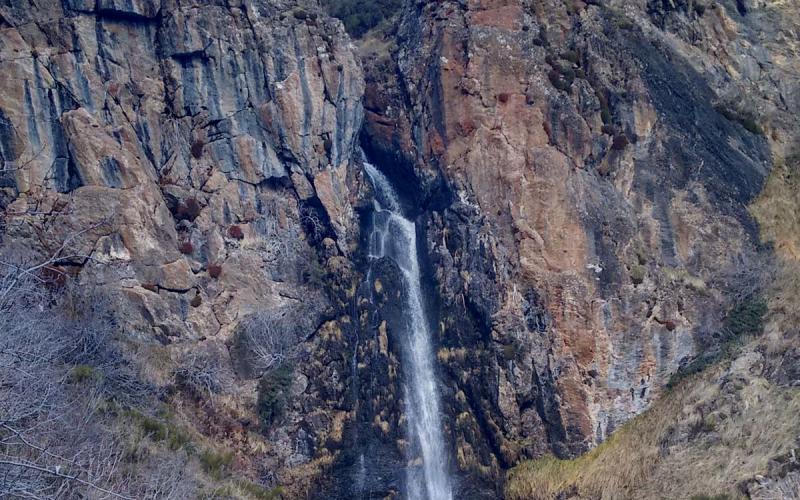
(746, 318)
(557, 80)
(360, 16)
(605, 108)
(215, 463)
(159, 431)
(637, 274)
(235, 232)
(186, 247)
(54, 277)
(197, 148)
(510, 351)
(620, 142)
(82, 373)
(744, 119)
(188, 209)
(571, 56)
(259, 492)
(214, 270)
(272, 394)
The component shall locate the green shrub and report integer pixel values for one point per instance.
(259, 492)
(360, 16)
(215, 463)
(510, 351)
(571, 56)
(637, 274)
(159, 431)
(82, 373)
(743, 118)
(746, 318)
(272, 394)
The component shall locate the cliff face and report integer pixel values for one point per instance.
(600, 157)
(581, 172)
(195, 161)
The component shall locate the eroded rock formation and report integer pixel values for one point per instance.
(581, 169)
(599, 158)
(197, 161)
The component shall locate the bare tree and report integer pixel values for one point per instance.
(49, 447)
(310, 220)
(58, 368)
(269, 338)
(203, 373)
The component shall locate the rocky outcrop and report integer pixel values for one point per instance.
(599, 158)
(581, 172)
(195, 160)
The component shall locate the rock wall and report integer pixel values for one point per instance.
(598, 159)
(581, 169)
(194, 159)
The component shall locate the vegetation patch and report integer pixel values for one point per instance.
(214, 270)
(744, 320)
(273, 391)
(360, 16)
(259, 492)
(83, 373)
(745, 119)
(697, 441)
(638, 273)
(161, 431)
(236, 232)
(216, 463)
(188, 209)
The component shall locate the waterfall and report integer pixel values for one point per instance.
(395, 237)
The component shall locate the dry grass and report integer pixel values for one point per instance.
(376, 45)
(777, 210)
(703, 438)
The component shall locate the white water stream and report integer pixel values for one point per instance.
(395, 237)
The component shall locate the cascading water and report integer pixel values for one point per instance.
(394, 236)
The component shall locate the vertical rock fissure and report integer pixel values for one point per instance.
(394, 236)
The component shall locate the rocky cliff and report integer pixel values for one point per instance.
(581, 172)
(598, 160)
(195, 161)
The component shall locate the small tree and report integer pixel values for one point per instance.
(271, 339)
